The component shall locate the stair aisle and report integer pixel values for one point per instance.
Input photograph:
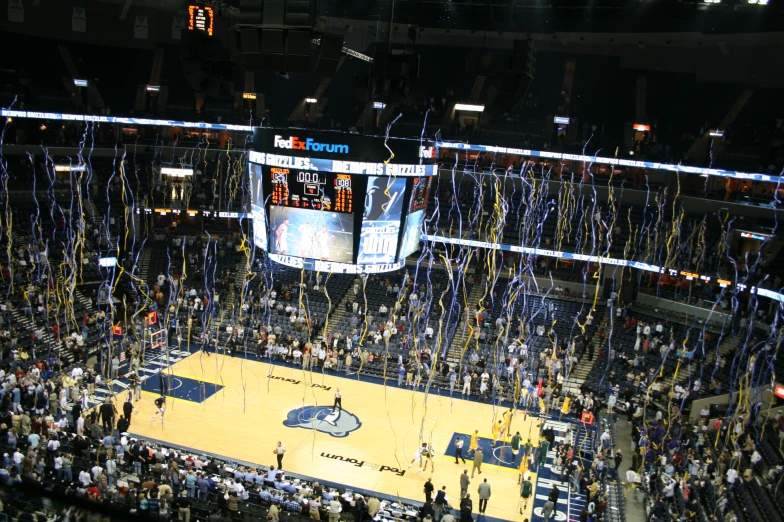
(466, 327)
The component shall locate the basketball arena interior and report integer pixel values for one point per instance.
(392, 260)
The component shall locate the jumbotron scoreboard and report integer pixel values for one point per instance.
(315, 190)
(339, 202)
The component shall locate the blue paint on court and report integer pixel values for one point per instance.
(182, 387)
(501, 455)
(570, 502)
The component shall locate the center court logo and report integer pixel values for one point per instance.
(295, 143)
(323, 419)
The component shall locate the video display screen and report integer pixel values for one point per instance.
(257, 207)
(256, 181)
(381, 220)
(259, 227)
(315, 234)
(420, 193)
(328, 191)
(412, 233)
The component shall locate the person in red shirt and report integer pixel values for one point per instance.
(93, 493)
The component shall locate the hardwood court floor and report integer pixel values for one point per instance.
(377, 433)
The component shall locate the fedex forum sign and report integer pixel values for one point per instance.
(295, 143)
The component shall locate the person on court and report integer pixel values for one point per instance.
(420, 455)
(544, 447)
(338, 401)
(498, 429)
(484, 495)
(160, 404)
(427, 456)
(523, 469)
(459, 450)
(516, 444)
(417, 458)
(479, 456)
(474, 442)
(128, 406)
(279, 451)
(205, 343)
(508, 416)
(525, 493)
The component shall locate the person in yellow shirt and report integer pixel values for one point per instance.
(498, 429)
(508, 416)
(523, 469)
(474, 442)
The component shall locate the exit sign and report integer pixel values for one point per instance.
(779, 391)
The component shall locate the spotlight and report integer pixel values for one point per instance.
(470, 108)
(311, 100)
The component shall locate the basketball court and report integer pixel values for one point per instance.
(241, 408)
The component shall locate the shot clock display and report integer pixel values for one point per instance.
(311, 190)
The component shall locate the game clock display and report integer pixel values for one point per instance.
(327, 191)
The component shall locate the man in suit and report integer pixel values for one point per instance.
(466, 509)
(547, 510)
(440, 502)
(555, 493)
(464, 482)
(478, 458)
(484, 495)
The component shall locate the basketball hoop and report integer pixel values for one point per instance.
(158, 339)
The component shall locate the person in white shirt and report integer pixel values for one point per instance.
(18, 457)
(334, 510)
(96, 470)
(756, 459)
(240, 490)
(84, 478)
(53, 445)
(732, 475)
(467, 385)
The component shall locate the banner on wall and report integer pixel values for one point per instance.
(79, 20)
(178, 24)
(140, 29)
(16, 11)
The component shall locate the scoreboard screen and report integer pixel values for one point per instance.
(420, 193)
(329, 201)
(201, 18)
(328, 191)
(381, 220)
